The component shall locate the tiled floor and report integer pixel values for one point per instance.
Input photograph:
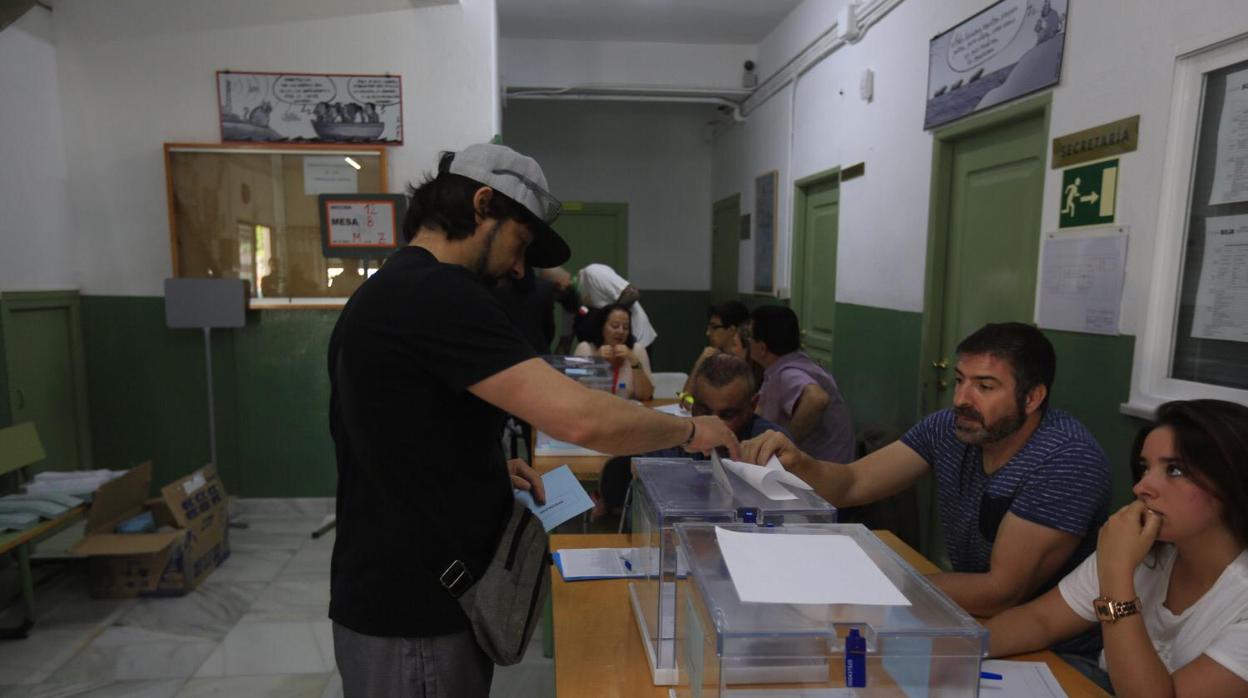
(256, 627)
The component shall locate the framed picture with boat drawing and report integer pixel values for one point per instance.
(310, 107)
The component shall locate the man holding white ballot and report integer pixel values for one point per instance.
(1022, 488)
(423, 364)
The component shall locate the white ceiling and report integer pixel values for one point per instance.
(675, 21)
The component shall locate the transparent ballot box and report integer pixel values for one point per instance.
(727, 647)
(667, 491)
(591, 371)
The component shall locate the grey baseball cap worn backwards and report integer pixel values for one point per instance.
(519, 177)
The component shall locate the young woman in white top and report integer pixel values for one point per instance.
(611, 338)
(1169, 579)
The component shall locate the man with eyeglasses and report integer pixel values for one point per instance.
(722, 323)
(424, 363)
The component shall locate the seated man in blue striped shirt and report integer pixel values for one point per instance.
(1022, 488)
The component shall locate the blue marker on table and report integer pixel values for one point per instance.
(990, 675)
(627, 565)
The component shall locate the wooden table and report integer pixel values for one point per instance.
(598, 651)
(586, 468)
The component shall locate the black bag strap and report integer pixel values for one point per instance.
(449, 569)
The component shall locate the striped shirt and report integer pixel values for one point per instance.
(1059, 479)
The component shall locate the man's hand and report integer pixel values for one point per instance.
(1123, 542)
(525, 478)
(709, 432)
(760, 449)
(706, 354)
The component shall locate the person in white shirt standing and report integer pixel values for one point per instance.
(1169, 579)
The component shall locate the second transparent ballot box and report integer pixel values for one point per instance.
(919, 644)
(667, 491)
(591, 371)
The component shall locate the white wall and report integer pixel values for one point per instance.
(35, 233)
(651, 156)
(744, 152)
(137, 73)
(555, 63)
(1119, 61)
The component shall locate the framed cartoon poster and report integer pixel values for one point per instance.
(1009, 50)
(765, 232)
(310, 108)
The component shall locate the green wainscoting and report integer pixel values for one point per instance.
(148, 396)
(875, 354)
(1093, 379)
(680, 319)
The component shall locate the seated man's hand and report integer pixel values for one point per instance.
(707, 353)
(761, 448)
(710, 432)
(526, 478)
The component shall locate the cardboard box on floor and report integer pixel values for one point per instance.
(164, 563)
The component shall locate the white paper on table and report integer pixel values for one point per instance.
(1020, 680)
(768, 479)
(1221, 310)
(674, 409)
(804, 569)
(1230, 172)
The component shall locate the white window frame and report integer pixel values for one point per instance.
(1151, 384)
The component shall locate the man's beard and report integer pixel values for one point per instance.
(482, 265)
(985, 433)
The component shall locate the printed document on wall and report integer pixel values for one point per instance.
(1230, 174)
(1081, 281)
(1222, 296)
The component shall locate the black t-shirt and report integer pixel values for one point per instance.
(415, 448)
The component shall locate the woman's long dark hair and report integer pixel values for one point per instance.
(1211, 437)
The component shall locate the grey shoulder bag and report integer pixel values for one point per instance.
(504, 604)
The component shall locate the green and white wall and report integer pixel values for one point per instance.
(110, 82)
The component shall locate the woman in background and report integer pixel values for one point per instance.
(1169, 579)
(611, 338)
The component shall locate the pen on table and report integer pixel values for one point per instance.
(627, 565)
(989, 675)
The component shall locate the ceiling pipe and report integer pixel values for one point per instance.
(628, 94)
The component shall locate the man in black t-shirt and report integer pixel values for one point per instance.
(423, 363)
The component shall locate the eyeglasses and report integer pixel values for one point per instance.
(715, 326)
(700, 409)
(551, 207)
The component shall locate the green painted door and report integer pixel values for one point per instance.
(992, 246)
(725, 248)
(45, 382)
(596, 232)
(815, 263)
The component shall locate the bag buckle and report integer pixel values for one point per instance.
(456, 579)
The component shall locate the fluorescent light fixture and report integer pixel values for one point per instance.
(352, 163)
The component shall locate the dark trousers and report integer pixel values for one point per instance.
(443, 666)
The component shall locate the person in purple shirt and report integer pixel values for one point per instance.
(796, 391)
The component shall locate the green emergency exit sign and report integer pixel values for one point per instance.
(1089, 194)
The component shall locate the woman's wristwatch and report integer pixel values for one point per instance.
(1108, 610)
